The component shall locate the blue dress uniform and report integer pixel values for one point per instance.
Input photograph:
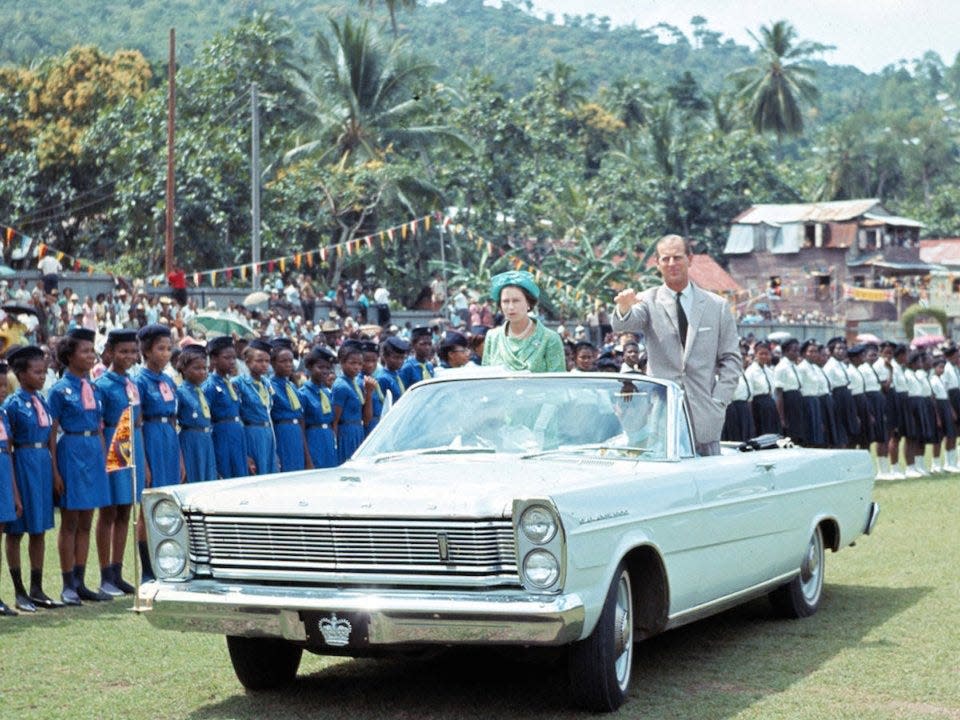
(348, 396)
(196, 433)
(318, 417)
(158, 399)
(377, 398)
(116, 393)
(80, 452)
(389, 381)
(413, 371)
(8, 508)
(30, 421)
(287, 414)
(229, 442)
(256, 397)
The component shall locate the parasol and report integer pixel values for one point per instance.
(220, 323)
(257, 297)
(924, 341)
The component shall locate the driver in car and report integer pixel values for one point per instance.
(641, 410)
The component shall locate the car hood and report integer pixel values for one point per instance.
(418, 486)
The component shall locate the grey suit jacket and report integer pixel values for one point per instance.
(707, 369)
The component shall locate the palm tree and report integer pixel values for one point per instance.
(392, 9)
(782, 77)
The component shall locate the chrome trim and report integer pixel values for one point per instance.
(706, 609)
(872, 517)
(396, 617)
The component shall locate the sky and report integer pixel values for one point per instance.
(868, 34)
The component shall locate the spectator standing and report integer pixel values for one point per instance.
(50, 270)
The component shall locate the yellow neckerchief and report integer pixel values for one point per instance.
(262, 391)
(233, 393)
(324, 401)
(356, 387)
(292, 396)
(399, 380)
(204, 406)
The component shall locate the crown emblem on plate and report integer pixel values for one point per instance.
(336, 631)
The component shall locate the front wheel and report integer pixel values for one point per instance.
(600, 665)
(263, 663)
(801, 596)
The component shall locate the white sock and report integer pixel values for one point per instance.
(952, 457)
(884, 465)
(918, 466)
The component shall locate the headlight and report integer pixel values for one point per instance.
(538, 524)
(167, 517)
(171, 558)
(541, 568)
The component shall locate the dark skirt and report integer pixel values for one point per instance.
(908, 425)
(813, 422)
(793, 416)
(926, 423)
(835, 435)
(862, 438)
(846, 410)
(948, 428)
(891, 413)
(738, 425)
(954, 395)
(766, 419)
(878, 428)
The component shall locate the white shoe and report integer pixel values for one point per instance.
(922, 470)
(913, 473)
(951, 469)
(896, 474)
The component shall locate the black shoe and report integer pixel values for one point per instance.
(24, 603)
(6, 611)
(123, 585)
(89, 595)
(41, 600)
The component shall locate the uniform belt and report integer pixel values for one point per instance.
(29, 446)
(227, 420)
(351, 422)
(256, 424)
(159, 419)
(325, 426)
(196, 428)
(138, 423)
(287, 421)
(82, 433)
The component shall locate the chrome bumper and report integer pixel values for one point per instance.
(392, 617)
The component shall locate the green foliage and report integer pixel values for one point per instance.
(915, 313)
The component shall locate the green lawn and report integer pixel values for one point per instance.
(885, 644)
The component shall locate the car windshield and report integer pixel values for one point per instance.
(528, 414)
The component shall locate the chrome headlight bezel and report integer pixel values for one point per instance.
(550, 563)
(167, 517)
(166, 551)
(550, 539)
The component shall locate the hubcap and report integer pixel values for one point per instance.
(811, 571)
(623, 632)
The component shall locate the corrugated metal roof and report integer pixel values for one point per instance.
(895, 220)
(944, 251)
(835, 211)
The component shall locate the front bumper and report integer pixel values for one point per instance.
(392, 617)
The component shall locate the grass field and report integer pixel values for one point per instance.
(885, 644)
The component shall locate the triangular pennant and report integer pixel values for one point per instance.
(229, 274)
(426, 223)
(297, 259)
(310, 259)
(271, 265)
(403, 232)
(60, 255)
(283, 265)
(213, 278)
(340, 250)
(9, 235)
(41, 250)
(243, 272)
(390, 233)
(323, 254)
(369, 240)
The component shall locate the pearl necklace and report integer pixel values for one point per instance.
(526, 331)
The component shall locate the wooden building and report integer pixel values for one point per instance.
(848, 259)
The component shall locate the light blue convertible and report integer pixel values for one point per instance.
(504, 510)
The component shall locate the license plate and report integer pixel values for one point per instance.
(335, 630)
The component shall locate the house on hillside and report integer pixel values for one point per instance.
(849, 259)
(944, 285)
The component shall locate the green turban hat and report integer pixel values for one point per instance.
(519, 278)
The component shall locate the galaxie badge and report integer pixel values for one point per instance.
(336, 631)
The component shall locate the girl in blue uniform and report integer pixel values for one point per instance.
(10, 506)
(371, 353)
(117, 392)
(393, 352)
(79, 461)
(193, 414)
(229, 444)
(158, 400)
(30, 422)
(287, 414)
(351, 403)
(317, 400)
(256, 397)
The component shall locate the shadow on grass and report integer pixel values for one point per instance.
(116, 609)
(727, 662)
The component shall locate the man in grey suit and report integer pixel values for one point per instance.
(691, 338)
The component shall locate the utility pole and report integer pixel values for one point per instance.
(255, 183)
(171, 186)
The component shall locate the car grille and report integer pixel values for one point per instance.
(404, 552)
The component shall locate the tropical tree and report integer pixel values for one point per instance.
(782, 77)
(392, 9)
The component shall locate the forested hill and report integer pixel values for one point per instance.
(460, 36)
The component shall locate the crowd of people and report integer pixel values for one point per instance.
(128, 374)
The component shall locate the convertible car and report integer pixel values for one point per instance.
(509, 510)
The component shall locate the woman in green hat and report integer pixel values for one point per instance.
(522, 342)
